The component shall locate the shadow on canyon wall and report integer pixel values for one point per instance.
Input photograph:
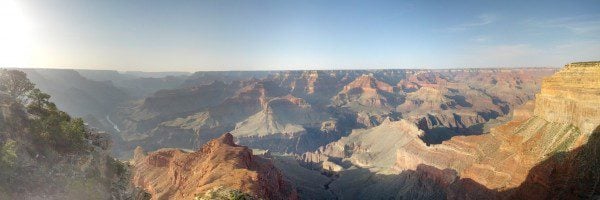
(564, 175)
(440, 134)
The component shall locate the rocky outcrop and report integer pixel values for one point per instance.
(572, 96)
(176, 174)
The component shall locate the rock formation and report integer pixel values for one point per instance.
(285, 116)
(443, 103)
(368, 148)
(540, 151)
(176, 174)
(280, 125)
(572, 96)
(566, 109)
(366, 91)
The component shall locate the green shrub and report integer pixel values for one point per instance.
(221, 193)
(53, 127)
(117, 167)
(8, 154)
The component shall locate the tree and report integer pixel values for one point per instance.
(15, 83)
(39, 102)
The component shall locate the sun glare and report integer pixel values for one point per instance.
(15, 35)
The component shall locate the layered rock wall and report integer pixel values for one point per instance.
(566, 111)
(572, 95)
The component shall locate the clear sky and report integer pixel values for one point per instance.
(321, 34)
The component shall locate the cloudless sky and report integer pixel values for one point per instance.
(306, 34)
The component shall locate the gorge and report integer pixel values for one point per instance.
(354, 134)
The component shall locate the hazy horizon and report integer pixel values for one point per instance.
(296, 35)
(259, 70)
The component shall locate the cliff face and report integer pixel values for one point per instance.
(175, 174)
(572, 95)
(566, 111)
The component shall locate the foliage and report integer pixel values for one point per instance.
(15, 83)
(49, 126)
(117, 167)
(39, 102)
(221, 193)
(8, 154)
(58, 129)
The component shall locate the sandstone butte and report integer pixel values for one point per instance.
(175, 174)
(562, 119)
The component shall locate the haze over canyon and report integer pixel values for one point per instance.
(505, 133)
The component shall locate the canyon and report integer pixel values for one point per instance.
(348, 134)
(564, 118)
(299, 111)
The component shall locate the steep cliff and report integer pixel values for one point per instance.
(572, 96)
(175, 174)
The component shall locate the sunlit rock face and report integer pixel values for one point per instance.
(175, 174)
(566, 111)
(367, 91)
(572, 95)
(532, 153)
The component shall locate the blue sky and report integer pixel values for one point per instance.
(319, 34)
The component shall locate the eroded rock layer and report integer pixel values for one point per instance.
(572, 95)
(566, 112)
(298, 111)
(176, 174)
(542, 152)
